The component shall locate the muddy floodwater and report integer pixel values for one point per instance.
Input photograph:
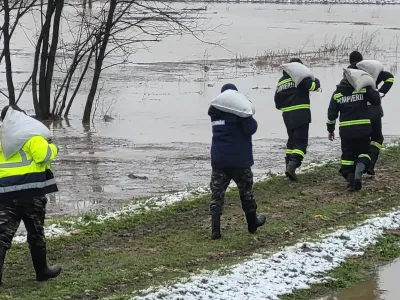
(385, 286)
(159, 130)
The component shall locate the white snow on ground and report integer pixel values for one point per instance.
(293, 268)
(154, 203)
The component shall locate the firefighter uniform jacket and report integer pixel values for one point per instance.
(27, 173)
(354, 120)
(294, 102)
(376, 112)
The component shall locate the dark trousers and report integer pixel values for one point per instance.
(220, 180)
(376, 139)
(354, 151)
(31, 211)
(296, 146)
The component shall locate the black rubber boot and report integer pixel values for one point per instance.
(216, 226)
(2, 258)
(360, 168)
(39, 260)
(371, 169)
(291, 170)
(254, 221)
(350, 182)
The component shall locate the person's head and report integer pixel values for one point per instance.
(355, 57)
(5, 109)
(228, 86)
(298, 60)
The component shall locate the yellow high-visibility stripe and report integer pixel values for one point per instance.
(289, 151)
(362, 91)
(285, 81)
(347, 162)
(355, 122)
(390, 80)
(337, 96)
(299, 152)
(295, 107)
(364, 155)
(313, 86)
(331, 122)
(376, 144)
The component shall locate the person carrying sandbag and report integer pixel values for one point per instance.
(376, 70)
(232, 155)
(292, 97)
(25, 179)
(350, 99)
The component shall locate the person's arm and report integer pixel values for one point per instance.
(278, 104)
(308, 84)
(249, 125)
(373, 96)
(333, 113)
(388, 79)
(41, 150)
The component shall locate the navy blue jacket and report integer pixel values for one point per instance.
(231, 142)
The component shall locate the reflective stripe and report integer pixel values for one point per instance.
(285, 81)
(365, 155)
(298, 151)
(337, 96)
(362, 91)
(331, 122)
(390, 80)
(27, 186)
(48, 154)
(23, 163)
(347, 162)
(312, 88)
(376, 144)
(295, 107)
(355, 122)
(289, 151)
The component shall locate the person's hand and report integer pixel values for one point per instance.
(331, 136)
(381, 94)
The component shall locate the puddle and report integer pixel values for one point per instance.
(160, 128)
(385, 286)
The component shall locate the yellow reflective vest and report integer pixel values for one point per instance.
(27, 173)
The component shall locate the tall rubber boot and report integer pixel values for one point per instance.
(39, 260)
(360, 168)
(215, 226)
(371, 169)
(291, 170)
(254, 221)
(350, 182)
(2, 258)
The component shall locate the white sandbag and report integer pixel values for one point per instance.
(297, 71)
(17, 129)
(231, 101)
(359, 79)
(372, 67)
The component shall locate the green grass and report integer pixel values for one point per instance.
(118, 257)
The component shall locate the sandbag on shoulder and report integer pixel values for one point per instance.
(372, 67)
(233, 102)
(297, 71)
(18, 128)
(359, 79)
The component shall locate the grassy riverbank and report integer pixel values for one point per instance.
(120, 256)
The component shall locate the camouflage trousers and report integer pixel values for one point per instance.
(31, 211)
(220, 180)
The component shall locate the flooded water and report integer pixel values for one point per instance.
(385, 286)
(160, 128)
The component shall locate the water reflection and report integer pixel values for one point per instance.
(385, 286)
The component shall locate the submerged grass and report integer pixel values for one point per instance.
(119, 257)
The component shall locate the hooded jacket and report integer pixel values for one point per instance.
(352, 107)
(232, 140)
(376, 112)
(294, 102)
